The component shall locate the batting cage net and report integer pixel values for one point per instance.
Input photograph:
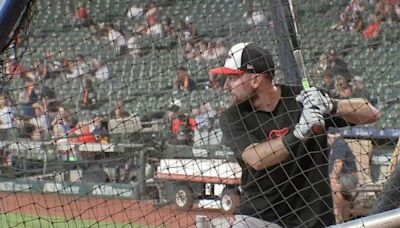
(175, 113)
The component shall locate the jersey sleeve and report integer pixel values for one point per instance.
(234, 132)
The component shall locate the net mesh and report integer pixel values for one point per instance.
(109, 117)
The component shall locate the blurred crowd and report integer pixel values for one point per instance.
(359, 18)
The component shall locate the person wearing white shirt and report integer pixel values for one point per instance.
(135, 11)
(6, 118)
(78, 68)
(101, 71)
(116, 39)
(6, 114)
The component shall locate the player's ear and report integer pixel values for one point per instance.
(256, 80)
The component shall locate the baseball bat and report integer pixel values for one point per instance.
(298, 57)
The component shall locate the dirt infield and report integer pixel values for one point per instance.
(118, 210)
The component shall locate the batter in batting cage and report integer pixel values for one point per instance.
(285, 178)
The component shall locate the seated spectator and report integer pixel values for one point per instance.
(338, 66)
(14, 68)
(119, 111)
(342, 87)
(343, 174)
(255, 16)
(116, 39)
(216, 82)
(80, 133)
(205, 117)
(101, 72)
(99, 128)
(30, 91)
(41, 122)
(183, 81)
(216, 51)
(168, 29)
(152, 10)
(26, 106)
(62, 123)
(52, 64)
(343, 24)
(134, 45)
(7, 119)
(154, 28)
(77, 67)
(359, 24)
(373, 29)
(360, 91)
(328, 81)
(188, 29)
(81, 15)
(191, 51)
(49, 100)
(183, 127)
(135, 11)
(220, 49)
(89, 96)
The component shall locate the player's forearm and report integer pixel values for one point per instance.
(266, 154)
(337, 168)
(357, 111)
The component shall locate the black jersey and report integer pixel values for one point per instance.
(296, 192)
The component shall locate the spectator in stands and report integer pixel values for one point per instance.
(373, 29)
(6, 118)
(80, 133)
(119, 110)
(135, 11)
(191, 51)
(220, 49)
(337, 65)
(205, 117)
(54, 64)
(134, 45)
(343, 174)
(215, 50)
(397, 9)
(99, 128)
(202, 54)
(116, 39)
(62, 124)
(89, 96)
(359, 90)
(359, 24)
(188, 29)
(255, 16)
(343, 23)
(77, 67)
(168, 28)
(216, 82)
(81, 15)
(101, 72)
(49, 100)
(154, 28)
(41, 122)
(183, 127)
(14, 68)
(152, 11)
(342, 87)
(30, 91)
(328, 81)
(183, 81)
(26, 105)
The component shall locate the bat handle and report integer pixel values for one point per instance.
(317, 129)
